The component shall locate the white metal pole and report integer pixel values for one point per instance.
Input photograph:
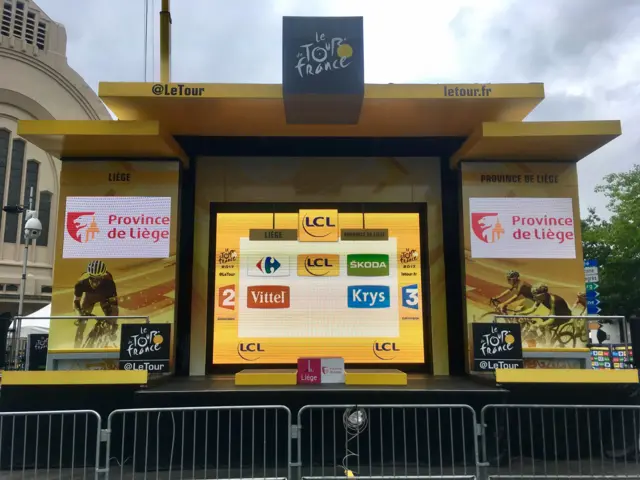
(23, 286)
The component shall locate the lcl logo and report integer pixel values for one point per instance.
(250, 351)
(327, 265)
(385, 350)
(318, 225)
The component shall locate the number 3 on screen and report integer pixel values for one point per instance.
(227, 297)
(410, 298)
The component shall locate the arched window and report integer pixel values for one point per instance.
(31, 180)
(44, 214)
(15, 187)
(5, 136)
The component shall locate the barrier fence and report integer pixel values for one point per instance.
(372, 442)
(56, 444)
(387, 441)
(560, 441)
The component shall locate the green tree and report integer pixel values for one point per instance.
(615, 243)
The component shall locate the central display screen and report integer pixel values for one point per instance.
(317, 283)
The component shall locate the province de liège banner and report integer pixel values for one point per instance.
(523, 252)
(116, 248)
(317, 293)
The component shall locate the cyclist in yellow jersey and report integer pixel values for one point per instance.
(95, 286)
(554, 303)
(518, 290)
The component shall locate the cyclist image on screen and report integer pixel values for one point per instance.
(554, 303)
(96, 285)
(518, 290)
(581, 303)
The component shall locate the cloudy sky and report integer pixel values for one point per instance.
(587, 52)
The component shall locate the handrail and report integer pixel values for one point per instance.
(86, 317)
(586, 318)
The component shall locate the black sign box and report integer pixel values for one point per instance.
(145, 347)
(37, 348)
(323, 69)
(497, 345)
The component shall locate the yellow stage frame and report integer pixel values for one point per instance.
(489, 116)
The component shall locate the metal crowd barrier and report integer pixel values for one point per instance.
(371, 442)
(387, 441)
(252, 442)
(62, 444)
(560, 441)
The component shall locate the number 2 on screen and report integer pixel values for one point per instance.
(227, 297)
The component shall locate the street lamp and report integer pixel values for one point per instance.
(32, 231)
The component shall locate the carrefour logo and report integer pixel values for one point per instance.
(269, 266)
(368, 296)
(368, 265)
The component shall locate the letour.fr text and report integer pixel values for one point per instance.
(479, 91)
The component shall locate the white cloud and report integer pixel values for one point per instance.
(587, 52)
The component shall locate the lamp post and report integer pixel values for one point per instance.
(32, 231)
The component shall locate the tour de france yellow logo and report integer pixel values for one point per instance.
(324, 54)
(144, 342)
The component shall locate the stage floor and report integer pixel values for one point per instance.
(416, 383)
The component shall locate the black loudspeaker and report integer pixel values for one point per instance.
(5, 323)
(634, 328)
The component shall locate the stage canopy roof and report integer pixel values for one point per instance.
(489, 116)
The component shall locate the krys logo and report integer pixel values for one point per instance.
(318, 265)
(82, 226)
(368, 296)
(368, 265)
(250, 352)
(487, 226)
(385, 350)
(318, 226)
(324, 54)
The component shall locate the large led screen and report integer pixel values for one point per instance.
(333, 284)
(117, 227)
(522, 228)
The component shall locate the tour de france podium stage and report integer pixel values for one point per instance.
(435, 191)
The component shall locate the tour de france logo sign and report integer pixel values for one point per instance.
(323, 54)
(145, 347)
(496, 346)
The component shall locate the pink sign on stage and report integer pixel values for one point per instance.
(320, 370)
(309, 370)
